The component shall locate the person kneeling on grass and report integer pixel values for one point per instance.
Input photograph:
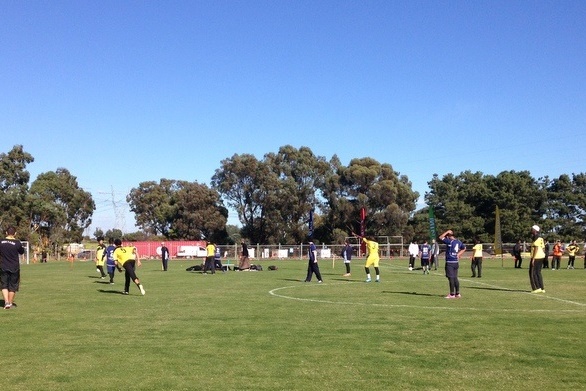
(127, 258)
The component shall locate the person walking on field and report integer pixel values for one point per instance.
(10, 251)
(413, 253)
(537, 256)
(347, 255)
(127, 258)
(517, 254)
(244, 263)
(100, 257)
(435, 250)
(110, 261)
(209, 264)
(476, 264)
(372, 259)
(312, 266)
(424, 255)
(165, 256)
(572, 249)
(454, 249)
(556, 260)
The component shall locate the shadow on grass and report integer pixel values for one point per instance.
(497, 289)
(102, 282)
(411, 293)
(110, 291)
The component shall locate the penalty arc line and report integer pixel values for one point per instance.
(274, 292)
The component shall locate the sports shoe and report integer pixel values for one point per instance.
(450, 296)
(410, 268)
(538, 290)
(368, 280)
(346, 275)
(458, 296)
(319, 281)
(142, 291)
(124, 293)
(377, 280)
(542, 291)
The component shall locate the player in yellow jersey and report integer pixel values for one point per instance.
(209, 263)
(537, 256)
(127, 258)
(372, 259)
(100, 256)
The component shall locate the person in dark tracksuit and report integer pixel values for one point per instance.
(312, 266)
(347, 255)
(517, 254)
(165, 255)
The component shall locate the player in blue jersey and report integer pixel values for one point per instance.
(110, 261)
(425, 255)
(454, 249)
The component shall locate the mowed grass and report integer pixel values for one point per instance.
(271, 331)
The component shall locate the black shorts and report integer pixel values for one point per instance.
(452, 269)
(10, 280)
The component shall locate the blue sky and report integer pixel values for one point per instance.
(120, 92)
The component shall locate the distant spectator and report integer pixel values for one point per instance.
(572, 249)
(517, 254)
(413, 253)
(476, 261)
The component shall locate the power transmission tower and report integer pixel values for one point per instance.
(119, 208)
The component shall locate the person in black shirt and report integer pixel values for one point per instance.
(165, 255)
(517, 254)
(10, 251)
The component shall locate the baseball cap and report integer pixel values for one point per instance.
(535, 227)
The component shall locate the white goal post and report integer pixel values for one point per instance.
(26, 256)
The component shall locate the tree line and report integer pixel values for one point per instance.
(273, 197)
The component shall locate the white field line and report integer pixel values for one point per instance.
(276, 292)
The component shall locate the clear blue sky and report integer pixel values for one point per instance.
(121, 92)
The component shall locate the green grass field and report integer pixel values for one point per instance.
(270, 331)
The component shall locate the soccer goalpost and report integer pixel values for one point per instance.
(26, 254)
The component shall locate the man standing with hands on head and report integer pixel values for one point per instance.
(454, 249)
(10, 250)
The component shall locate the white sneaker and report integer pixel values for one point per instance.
(410, 268)
(142, 290)
(368, 280)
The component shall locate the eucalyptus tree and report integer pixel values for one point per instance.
(14, 179)
(178, 209)
(250, 187)
(565, 206)
(386, 195)
(59, 208)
